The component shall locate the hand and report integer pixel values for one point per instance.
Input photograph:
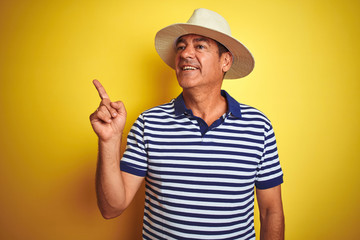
(108, 121)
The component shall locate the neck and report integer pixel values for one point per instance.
(208, 105)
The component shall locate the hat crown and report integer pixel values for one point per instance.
(209, 19)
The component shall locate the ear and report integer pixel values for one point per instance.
(227, 60)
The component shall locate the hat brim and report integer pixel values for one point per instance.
(243, 61)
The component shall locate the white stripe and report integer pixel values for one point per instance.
(202, 187)
(262, 179)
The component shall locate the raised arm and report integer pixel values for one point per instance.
(271, 213)
(115, 189)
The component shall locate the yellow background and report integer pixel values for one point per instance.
(306, 80)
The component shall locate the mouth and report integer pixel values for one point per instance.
(189, 68)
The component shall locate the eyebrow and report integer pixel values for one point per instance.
(202, 39)
(199, 39)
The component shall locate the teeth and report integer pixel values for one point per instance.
(189, 68)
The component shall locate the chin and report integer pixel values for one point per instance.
(187, 82)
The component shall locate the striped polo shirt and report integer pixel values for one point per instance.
(200, 179)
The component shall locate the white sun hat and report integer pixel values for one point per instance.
(208, 24)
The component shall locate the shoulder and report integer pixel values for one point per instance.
(167, 108)
(159, 113)
(251, 112)
(254, 115)
(155, 115)
(244, 112)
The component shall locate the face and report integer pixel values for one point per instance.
(198, 64)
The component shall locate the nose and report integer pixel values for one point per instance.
(188, 52)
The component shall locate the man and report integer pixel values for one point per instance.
(201, 154)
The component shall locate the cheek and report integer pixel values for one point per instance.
(177, 57)
(177, 60)
(212, 66)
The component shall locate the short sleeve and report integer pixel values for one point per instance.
(269, 172)
(134, 160)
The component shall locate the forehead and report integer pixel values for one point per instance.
(194, 38)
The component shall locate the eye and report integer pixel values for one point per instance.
(180, 47)
(200, 46)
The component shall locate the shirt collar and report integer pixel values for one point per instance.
(180, 107)
(233, 105)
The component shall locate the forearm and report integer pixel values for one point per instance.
(272, 226)
(109, 183)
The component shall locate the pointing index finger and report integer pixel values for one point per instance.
(100, 89)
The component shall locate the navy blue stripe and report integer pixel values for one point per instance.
(136, 133)
(215, 190)
(203, 167)
(201, 144)
(242, 125)
(262, 175)
(157, 237)
(269, 183)
(183, 137)
(201, 151)
(168, 122)
(131, 150)
(201, 175)
(199, 183)
(184, 158)
(174, 129)
(269, 159)
(129, 168)
(237, 138)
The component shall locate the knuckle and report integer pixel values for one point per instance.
(104, 112)
(105, 101)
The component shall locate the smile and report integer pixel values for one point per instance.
(187, 68)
